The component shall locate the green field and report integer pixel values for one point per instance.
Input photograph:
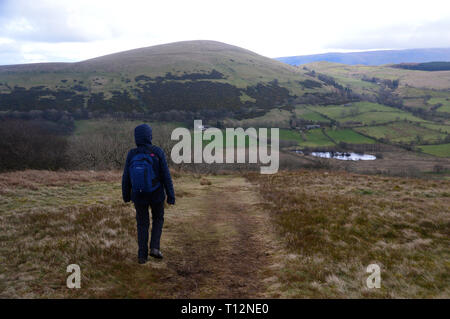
(401, 132)
(371, 118)
(371, 107)
(309, 114)
(437, 127)
(274, 118)
(441, 150)
(444, 101)
(348, 136)
(407, 91)
(366, 113)
(310, 138)
(314, 138)
(290, 135)
(356, 84)
(240, 140)
(418, 103)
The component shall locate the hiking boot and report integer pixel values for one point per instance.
(142, 260)
(156, 253)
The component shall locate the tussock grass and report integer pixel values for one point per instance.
(212, 239)
(33, 179)
(219, 241)
(38, 245)
(336, 224)
(49, 220)
(205, 181)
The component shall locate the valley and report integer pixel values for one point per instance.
(317, 106)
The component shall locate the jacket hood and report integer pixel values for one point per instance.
(143, 135)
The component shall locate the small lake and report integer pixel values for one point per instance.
(345, 156)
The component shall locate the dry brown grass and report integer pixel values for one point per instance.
(205, 181)
(215, 239)
(323, 229)
(336, 224)
(33, 179)
(37, 246)
(49, 220)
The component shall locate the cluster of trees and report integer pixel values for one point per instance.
(310, 84)
(40, 98)
(391, 84)
(268, 95)
(163, 96)
(121, 101)
(330, 98)
(31, 144)
(295, 122)
(34, 144)
(341, 96)
(148, 97)
(427, 66)
(388, 97)
(104, 147)
(55, 120)
(213, 75)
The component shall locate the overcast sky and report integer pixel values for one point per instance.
(75, 30)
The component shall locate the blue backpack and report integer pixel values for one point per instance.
(142, 174)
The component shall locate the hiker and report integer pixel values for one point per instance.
(146, 180)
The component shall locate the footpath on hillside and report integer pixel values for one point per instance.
(219, 242)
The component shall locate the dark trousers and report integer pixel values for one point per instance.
(143, 223)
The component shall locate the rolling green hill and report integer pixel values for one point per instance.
(367, 77)
(187, 76)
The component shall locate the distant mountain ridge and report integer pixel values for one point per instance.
(374, 57)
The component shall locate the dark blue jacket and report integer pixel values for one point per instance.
(143, 139)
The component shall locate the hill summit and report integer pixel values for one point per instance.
(186, 76)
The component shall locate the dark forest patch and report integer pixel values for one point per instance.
(310, 84)
(150, 95)
(428, 66)
(213, 75)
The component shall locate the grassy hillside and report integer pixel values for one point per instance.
(311, 236)
(418, 79)
(240, 66)
(185, 76)
(336, 224)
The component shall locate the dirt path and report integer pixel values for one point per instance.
(219, 242)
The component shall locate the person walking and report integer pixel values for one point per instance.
(145, 181)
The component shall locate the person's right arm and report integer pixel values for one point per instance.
(126, 182)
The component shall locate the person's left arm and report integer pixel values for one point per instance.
(166, 178)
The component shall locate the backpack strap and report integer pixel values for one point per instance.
(152, 150)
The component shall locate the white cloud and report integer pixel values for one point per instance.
(73, 30)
